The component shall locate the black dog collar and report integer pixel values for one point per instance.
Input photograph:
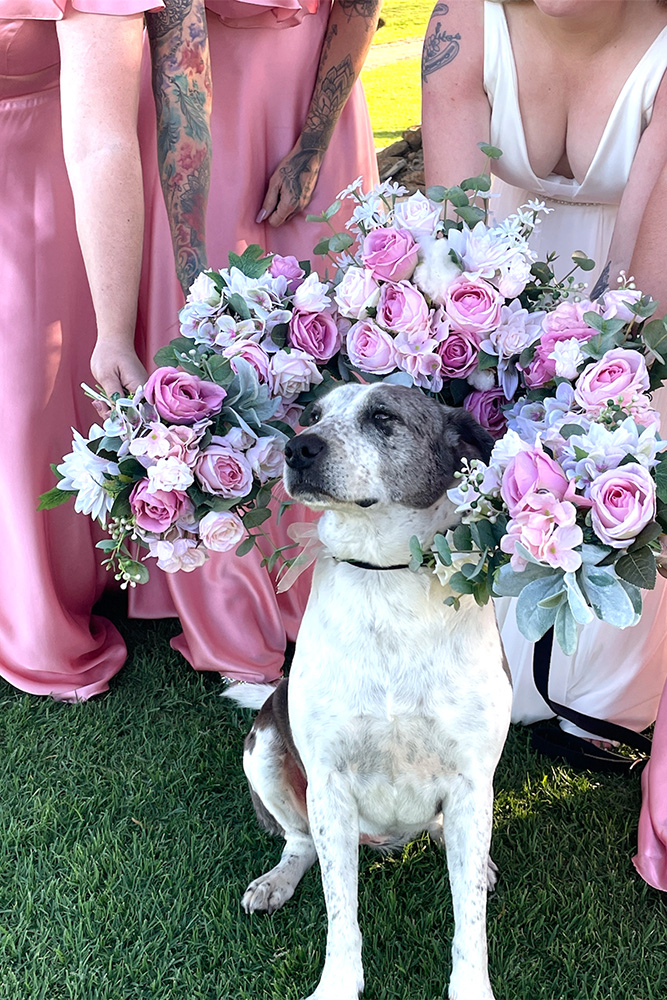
(365, 565)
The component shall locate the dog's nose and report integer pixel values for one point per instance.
(302, 450)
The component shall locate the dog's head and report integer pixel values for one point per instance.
(380, 444)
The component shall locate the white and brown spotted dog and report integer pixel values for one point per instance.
(398, 705)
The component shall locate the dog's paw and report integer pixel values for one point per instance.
(267, 894)
(491, 875)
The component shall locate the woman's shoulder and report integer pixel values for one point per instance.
(455, 32)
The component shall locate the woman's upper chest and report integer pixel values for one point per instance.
(570, 98)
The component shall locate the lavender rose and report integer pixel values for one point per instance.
(531, 471)
(314, 333)
(253, 354)
(287, 267)
(458, 352)
(486, 408)
(623, 503)
(620, 375)
(390, 254)
(293, 372)
(181, 398)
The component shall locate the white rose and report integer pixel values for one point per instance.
(311, 295)
(292, 373)
(614, 303)
(221, 531)
(182, 554)
(568, 356)
(266, 458)
(418, 214)
(169, 474)
(357, 293)
(203, 289)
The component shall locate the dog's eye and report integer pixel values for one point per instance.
(384, 421)
(310, 416)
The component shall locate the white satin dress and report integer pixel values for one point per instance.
(615, 674)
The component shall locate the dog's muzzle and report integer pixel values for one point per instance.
(302, 451)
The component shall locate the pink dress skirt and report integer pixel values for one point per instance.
(264, 63)
(50, 574)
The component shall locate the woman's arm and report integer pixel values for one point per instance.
(350, 31)
(649, 260)
(182, 89)
(99, 82)
(650, 160)
(456, 114)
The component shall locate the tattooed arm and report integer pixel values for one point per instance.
(455, 109)
(182, 89)
(350, 31)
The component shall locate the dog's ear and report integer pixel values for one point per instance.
(475, 441)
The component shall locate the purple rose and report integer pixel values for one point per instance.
(403, 308)
(623, 503)
(390, 254)
(293, 372)
(486, 408)
(159, 510)
(371, 349)
(223, 470)
(473, 306)
(181, 398)
(314, 333)
(459, 352)
(287, 267)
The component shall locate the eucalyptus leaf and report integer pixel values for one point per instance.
(442, 548)
(493, 152)
(460, 584)
(482, 182)
(583, 261)
(485, 360)
(340, 241)
(654, 335)
(416, 553)
(471, 215)
(482, 534)
(245, 546)
(436, 193)
(321, 248)
(462, 539)
(457, 196)
(256, 517)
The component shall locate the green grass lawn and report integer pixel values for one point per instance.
(129, 838)
(393, 91)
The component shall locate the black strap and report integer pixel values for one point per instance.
(365, 565)
(600, 727)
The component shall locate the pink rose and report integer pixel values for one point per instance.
(547, 528)
(371, 349)
(253, 354)
(221, 531)
(473, 306)
(564, 323)
(314, 333)
(459, 352)
(159, 510)
(623, 503)
(486, 408)
(620, 375)
(287, 267)
(266, 457)
(390, 254)
(181, 398)
(403, 308)
(529, 472)
(293, 372)
(223, 470)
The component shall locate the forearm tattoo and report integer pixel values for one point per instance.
(182, 90)
(439, 47)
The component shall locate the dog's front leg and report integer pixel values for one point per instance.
(334, 827)
(468, 817)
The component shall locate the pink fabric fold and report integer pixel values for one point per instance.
(53, 10)
(261, 13)
(651, 858)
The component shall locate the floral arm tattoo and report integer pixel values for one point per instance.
(439, 47)
(352, 24)
(182, 90)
